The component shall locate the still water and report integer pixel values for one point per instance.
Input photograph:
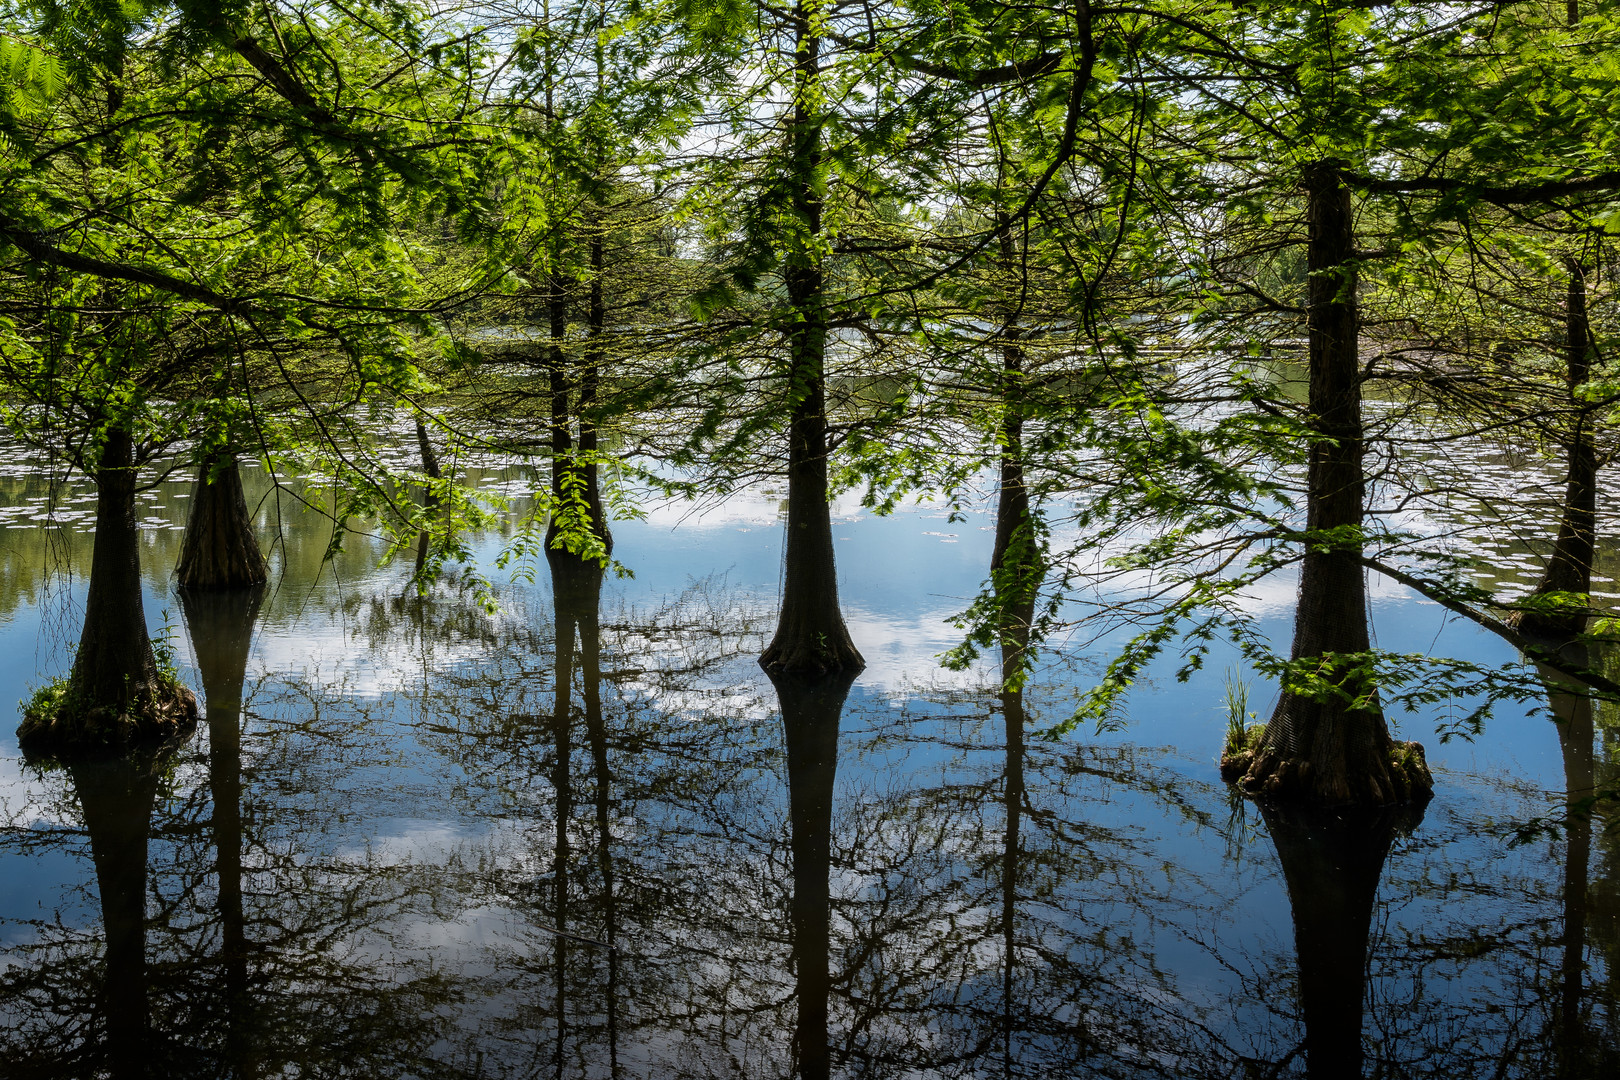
(577, 839)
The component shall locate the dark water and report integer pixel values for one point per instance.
(412, 840)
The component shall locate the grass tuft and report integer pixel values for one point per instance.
(1242, 734)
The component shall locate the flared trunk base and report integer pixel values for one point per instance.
(56, 726)
(812, 654)
(220, 550)
(1380, 772)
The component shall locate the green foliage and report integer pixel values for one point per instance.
(47, 702)
(31, 79)
(1066, 244)
(163, 651)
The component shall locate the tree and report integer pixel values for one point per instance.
(810, 631)
(836, 246)
(221, 550)
(1328, 741)
(1507, 290)
(582, 323)
(142, 298)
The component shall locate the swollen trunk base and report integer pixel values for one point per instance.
(220, 550)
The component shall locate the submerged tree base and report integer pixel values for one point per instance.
(812, 659)
(55, 725)
(1398, 776)
(220, 550)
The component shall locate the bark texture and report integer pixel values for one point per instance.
(1569, 568)
(811, 637)
(220, 549)
(115, 696)
(1333, 747)
(575, 480)
(810, 713)
(1016, 566)
(115, 666)
(1332, 863)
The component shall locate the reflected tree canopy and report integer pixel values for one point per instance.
(589, 838)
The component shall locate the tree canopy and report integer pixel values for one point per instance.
(1194, 285)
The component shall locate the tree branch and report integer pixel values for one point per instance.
(33, 244)
(1499, 194)
(1538, 650)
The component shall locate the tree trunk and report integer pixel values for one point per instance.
(811, 637)
(220, 624)
(115, 696)
(1569, 569)
(1016, 567)
(430, 500)
(1332, 863)
(590, 381)
(810, 712)
(1016, 563)
(115, 666)
(220, 550)
(576, 483)
(117, 797)
(1332, 747)
(561, 431)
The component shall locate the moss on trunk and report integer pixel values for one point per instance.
(1330, 745)
(116, 696)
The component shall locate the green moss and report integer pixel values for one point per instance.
(1410, 770)
(1241, 739)
(55, 723)
(43, 705)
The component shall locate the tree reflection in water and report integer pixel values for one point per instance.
(599, 848)
(220, 624)
(116, 798)
(1332, 862)
(1580, 1050)
(1013, 722)
(577, 598)
(810, 708)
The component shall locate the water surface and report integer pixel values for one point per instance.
(414, 840)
